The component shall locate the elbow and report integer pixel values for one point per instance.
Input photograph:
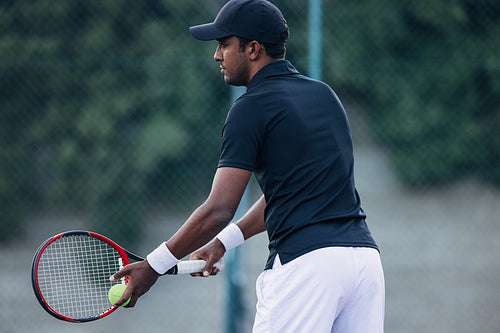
(218, 216)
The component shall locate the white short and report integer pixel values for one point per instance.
(333, 289)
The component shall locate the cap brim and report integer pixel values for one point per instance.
(207, 32)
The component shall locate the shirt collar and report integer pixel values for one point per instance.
(280, 67)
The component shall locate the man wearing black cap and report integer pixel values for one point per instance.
(323, 273)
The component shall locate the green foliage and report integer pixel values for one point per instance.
(428, 73)
(109, 107)
(105, 108)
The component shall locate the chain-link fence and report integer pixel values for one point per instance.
(110, 120)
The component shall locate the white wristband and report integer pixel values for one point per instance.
(161, 259)
(231, 236)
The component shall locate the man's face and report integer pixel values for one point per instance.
(233, 61)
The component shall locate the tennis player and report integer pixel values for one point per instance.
(323, 273)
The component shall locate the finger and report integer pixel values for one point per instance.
(195, 256)
(209, 268)
(132, 302)
(118, 275)
(134, 294)
(126, 295)
(214, 271)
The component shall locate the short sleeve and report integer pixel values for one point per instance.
(242, 135)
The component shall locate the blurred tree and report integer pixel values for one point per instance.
(102, 109)
(428, 74)
(107, 107)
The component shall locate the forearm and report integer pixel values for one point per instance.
(199, 229)
(252, 223)
(213, 215)
(205, 223)
(249, 225)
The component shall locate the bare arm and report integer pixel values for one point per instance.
(205, 222)
(252, 223)
(213, 215)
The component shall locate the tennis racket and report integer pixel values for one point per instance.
(70, 274)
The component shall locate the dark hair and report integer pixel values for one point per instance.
(275, 51)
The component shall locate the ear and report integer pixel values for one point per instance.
(255, 50)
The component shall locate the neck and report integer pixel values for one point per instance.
(258, 65)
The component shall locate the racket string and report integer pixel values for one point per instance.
(73, 275)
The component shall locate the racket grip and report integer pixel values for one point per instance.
(196, 266)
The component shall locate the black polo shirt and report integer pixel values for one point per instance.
(293, 133)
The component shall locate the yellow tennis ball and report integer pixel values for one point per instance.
(116, 292)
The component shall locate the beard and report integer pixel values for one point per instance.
(240, 76)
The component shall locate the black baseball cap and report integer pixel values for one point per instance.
(257, 20)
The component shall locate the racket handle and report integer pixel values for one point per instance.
(196, 266)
